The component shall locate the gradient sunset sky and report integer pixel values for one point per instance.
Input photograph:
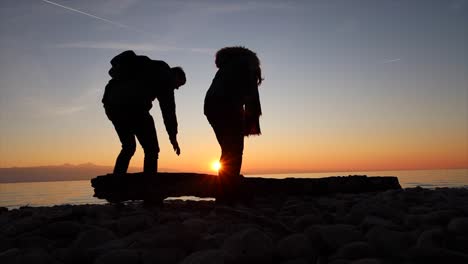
(349, 85)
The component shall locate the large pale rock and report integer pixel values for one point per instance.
(458, 226)
(296, 246)
(249, 246)
(212, 256)
(122, 256)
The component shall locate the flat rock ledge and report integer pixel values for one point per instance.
(138, 187)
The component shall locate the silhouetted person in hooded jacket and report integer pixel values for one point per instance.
(136, 82)
(232, 107)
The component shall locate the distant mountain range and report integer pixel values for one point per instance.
(66, 172)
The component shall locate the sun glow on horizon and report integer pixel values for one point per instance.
(216, 166)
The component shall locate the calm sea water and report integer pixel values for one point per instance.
(14, 195)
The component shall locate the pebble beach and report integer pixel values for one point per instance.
(412, 225)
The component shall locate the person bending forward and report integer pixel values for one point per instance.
(136, 82)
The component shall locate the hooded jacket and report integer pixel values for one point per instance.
(234, 91)
(136, 81)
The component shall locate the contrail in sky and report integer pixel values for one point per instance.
(99, 18)
(388, 61)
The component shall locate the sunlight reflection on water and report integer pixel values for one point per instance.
(14, 195)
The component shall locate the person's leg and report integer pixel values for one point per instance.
(123, 127)
(232, 145)
(146, 133)
(229, 132)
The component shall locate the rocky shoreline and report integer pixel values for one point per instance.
(412, 225)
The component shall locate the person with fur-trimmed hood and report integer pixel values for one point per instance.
(232, 107)
(136, 82)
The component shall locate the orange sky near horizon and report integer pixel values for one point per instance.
(348, 87)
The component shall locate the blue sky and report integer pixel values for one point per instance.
(348, 84)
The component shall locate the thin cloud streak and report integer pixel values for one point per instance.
(100, 18)
(390, 61)
(217, 7)
(132, 46)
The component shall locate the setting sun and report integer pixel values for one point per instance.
(216, 165)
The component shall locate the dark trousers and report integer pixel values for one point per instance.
(128, 125)
(229, 131)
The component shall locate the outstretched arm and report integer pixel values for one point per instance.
(168, 110)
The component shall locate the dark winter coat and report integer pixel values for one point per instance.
(234, 91)
(136, 82)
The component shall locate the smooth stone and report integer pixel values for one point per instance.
(5, 243)
(163, 256)
(249, 246)
(106, 247)
(196, 225)
(122, 256)
(355, 250)
(4, 220)
(458, 226)
(419, 209)
(210, 241)
(61, 229)
(35, 256)
(372, 206)
(436, 256)
(335, 236)
(432, 238)
(296, 246)
(441, 217)
(296, 261)
(370, 221)
(9, 256)
(22, 225)
(412, 221)
(389, 242)
(337, 261)
(33, 241)
(176, 236)
(211, 256)
(458, 243)
(302, 222)
(367, 261)
(93, 237)
(129, 224)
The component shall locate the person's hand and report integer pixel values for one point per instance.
(175, 145)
